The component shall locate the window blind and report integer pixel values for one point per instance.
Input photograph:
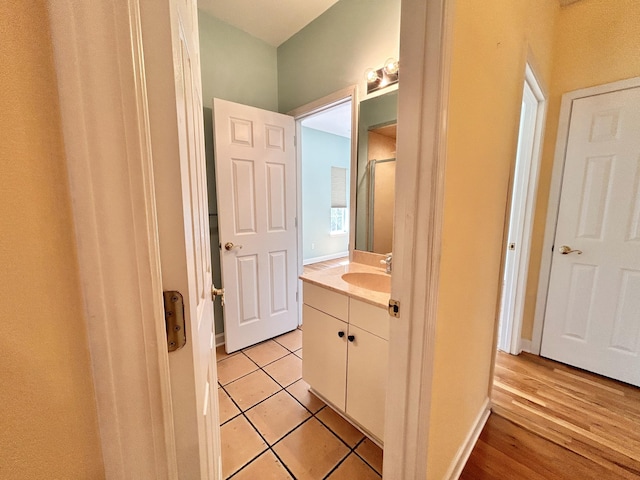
(338, 187)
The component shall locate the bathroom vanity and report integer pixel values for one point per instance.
(345, 342)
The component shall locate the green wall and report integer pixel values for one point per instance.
(320, 152)
(334, 50)
(239, 68)
(236, 66)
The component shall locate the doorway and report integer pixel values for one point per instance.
(523, 203)
(325, 164)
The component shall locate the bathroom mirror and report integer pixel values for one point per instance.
(375, 180)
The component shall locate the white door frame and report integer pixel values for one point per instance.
(299, 114)
(520, 223)
(554, 195)
(106, 131)
(425, 58)
(104, 112)
(317, 106)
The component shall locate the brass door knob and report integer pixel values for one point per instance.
(230, 246)
(566, 250)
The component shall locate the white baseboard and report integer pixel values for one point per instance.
(460, 460)
(525, 345)
(219, 339)
(324, 258)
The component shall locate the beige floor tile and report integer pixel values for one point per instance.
(266, 352)
(277, 416)
(240, 443)
(298, 353)
(265, 467)
(221, 354)
(251, 389)
(286, 370)
(291, 340)
(354, 468)
(311, 451)
(234, 367)
(347, 432)
(300, 390)
(227, 409)
(372, 454)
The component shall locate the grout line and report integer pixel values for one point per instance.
(248, 463)
(339, 437)
(242, 376)
(281, 439)
(274, 361)
(362, 458)
(282, 462)
(337, 465)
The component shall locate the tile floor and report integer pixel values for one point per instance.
(272, 427)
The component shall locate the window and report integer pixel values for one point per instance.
(339, 221)
(339, 218)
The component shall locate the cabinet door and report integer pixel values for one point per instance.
(324, 363)
(366, 380)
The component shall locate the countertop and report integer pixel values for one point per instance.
(331, 278)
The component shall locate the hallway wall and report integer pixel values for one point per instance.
(49, 422)
(491, 42)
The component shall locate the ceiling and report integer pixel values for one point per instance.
(335, 120)
(273, 21)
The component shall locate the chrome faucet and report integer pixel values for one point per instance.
(388, 262)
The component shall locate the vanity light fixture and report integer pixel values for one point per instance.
(382, 77)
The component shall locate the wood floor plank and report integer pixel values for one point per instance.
(594, 417)
(507, 451)
(552, 421)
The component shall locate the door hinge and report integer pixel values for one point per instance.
(295, 140)
(296, 222)
(174, 320)
(394, 308)
(297, 297)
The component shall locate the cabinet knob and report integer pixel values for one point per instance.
(351, 338)
(341, 334)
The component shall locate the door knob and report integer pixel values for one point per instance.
(566, 250)
(230, 246)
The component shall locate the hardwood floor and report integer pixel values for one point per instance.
(553, 421)
(312, 267)
(506, 451)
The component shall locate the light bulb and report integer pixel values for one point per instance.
(391, 66)
(371, 75)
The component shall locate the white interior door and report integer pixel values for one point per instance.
(523, 200)
(183, 222)
(256, 189)
(592, 319)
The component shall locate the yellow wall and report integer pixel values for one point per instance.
(491, 41)
(49, 425)
(596, 42)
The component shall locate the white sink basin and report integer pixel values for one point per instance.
(378, 282)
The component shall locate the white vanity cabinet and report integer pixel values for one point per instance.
(345, 355)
